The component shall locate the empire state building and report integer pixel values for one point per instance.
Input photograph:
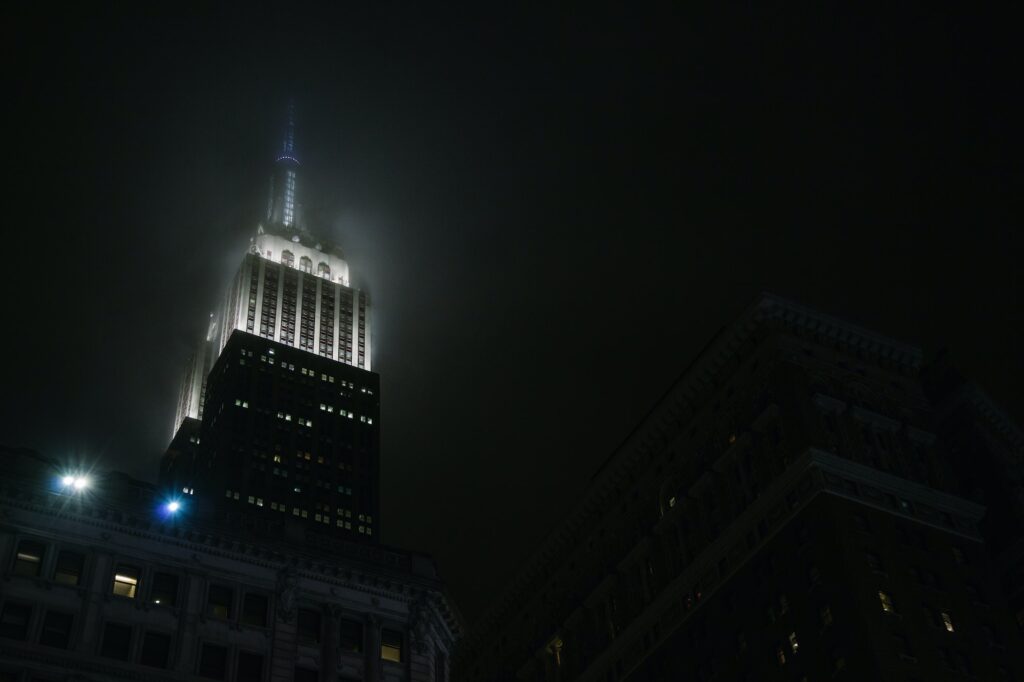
(278, 416)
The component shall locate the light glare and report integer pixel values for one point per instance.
(173, 506)
(80, 483)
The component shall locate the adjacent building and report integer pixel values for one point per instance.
(106, 578)
(806, 502)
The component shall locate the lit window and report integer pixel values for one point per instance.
(947, 621)
(793, 643)
(126, 581)
(391, 645)
(780, 655)
(886, 600)
(29, 559)
(672, 501)
(323, 406)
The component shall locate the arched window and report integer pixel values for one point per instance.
(288, 258)
(323, 270)
(305, 264)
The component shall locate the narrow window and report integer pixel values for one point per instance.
(793, 643)
(213, 662)
(306, 675)
(826, 616)
(249, 668)
(886, 600)
(56, 630)
(165, 589)
(14, 620)
(126, 581)
(117, 641)
(309, 624)
(69, 568)
(947, 621)
(780, 655)
(156, 650)
(218, 601)
(29, 558)
(254, 610)
(391, 645)
(351, 635)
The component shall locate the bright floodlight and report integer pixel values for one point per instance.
(67, 480)
(173, 506)
(80, 483)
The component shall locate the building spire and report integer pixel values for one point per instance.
(283, 207)
(288, 145)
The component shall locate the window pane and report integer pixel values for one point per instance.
(69, 568)
(126, 581)
(309, 624)
(165, 589)
(117, 641)
(213, 663)
(306, 675)
(56, 630)
(351, 636)
(391, 645)
(254, 610)
(156, 650)
(14, 620)
(29, 558)
(250, 667)
(219, 601)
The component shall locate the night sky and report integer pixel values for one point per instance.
(552, 209)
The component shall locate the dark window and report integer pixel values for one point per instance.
(213, 662)
(29, 558)
(306, 675)
(14, 620)
(254, 610)
(165, 589)
(250, 667)
(440, 667)
(309, 624)
(69, 568)
(56, 630)
(391, 645)
(117, 641)
(156, 650)
(351, 635)
(218, 601)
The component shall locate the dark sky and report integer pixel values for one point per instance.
(553, 211)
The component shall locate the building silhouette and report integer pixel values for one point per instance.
(279, 415)
(257, 557)
(808, 501)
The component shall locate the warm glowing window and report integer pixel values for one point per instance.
(886, 600)
(126, 581)
(793, 643)
(29, 558)
(780, 655)
(947, 622)
(391, 645)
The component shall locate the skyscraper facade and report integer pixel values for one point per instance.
(278, 414)
(808, 501)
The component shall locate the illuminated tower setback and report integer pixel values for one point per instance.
(278, 416)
